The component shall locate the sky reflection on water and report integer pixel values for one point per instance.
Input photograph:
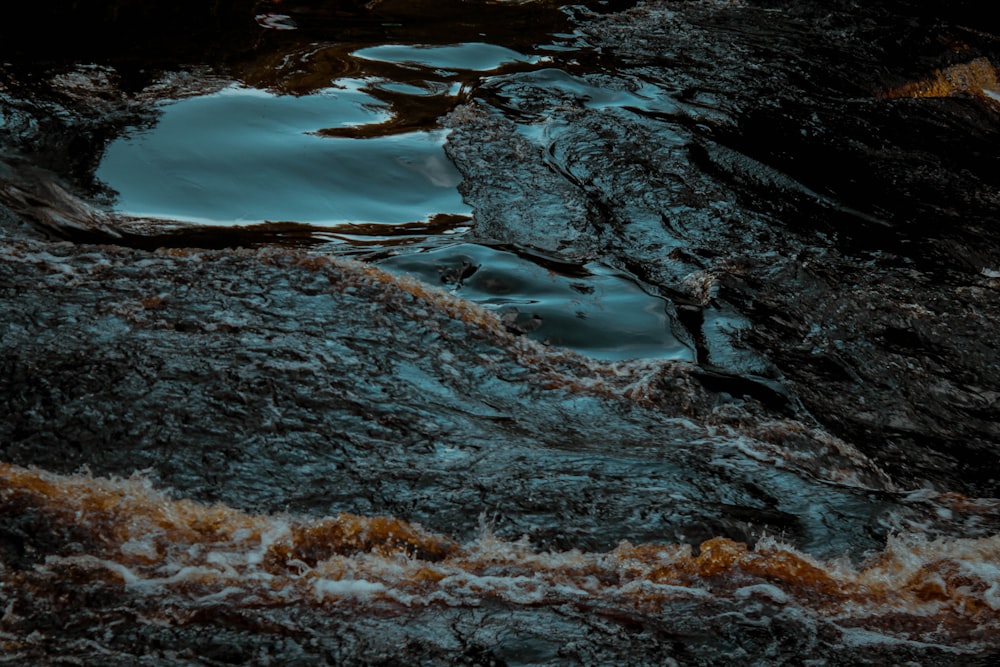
(245, 156)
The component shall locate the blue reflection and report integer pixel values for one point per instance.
(245, 156)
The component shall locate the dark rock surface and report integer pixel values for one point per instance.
(855, 232)
(811, 185)
(284, 381)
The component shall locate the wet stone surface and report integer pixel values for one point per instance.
(328, 390)
(831, 219)
(785, 211)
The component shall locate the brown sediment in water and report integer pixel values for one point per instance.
(976, 77)
(348, 534)
(137, 539)
(720, 558)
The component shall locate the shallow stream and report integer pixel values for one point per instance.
(500, 333)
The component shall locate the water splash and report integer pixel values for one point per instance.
(124, 535)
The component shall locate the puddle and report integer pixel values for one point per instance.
(477, 57)
(245, 156)
(589, 92)
(345, 136)
(346, 151)
(590, 308)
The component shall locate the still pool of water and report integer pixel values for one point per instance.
(245, 156)
(588, 308)
(338, 160)
(478, 57)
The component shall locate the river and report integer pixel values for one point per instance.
(499, 333)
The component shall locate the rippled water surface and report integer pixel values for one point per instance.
(587, 308)
(499, 333)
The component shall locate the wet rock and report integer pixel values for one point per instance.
(359, 393)
(830, 247)
(803, 201)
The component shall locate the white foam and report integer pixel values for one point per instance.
(857, 637)
(218, 596)
(142, 548)
(347, 588)
(662, 590)
(772, 593)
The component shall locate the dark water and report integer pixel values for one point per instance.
(499, 333)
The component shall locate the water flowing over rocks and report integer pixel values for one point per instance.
(853, 235)
(225, 445)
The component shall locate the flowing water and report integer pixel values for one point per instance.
(499, 333)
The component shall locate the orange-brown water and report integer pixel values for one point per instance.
(136, 541)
